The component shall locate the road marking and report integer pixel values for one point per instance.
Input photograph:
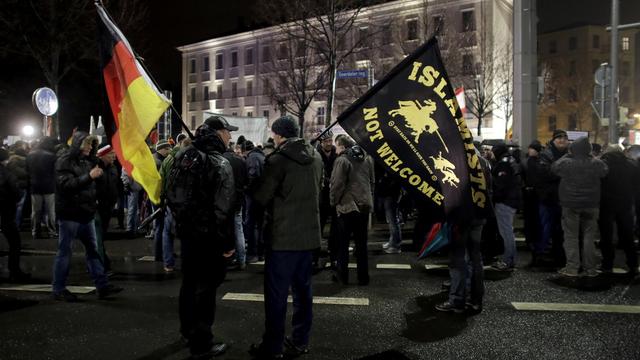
(47, 288)
(316, 299)
(435, 266)
(328, 264)
(620, 309)
(147, 258)
(394, 266)
(520, 239)
(39, 252)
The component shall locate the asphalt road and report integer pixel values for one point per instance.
(399, 321)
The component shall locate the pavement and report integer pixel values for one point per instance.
(528, 314)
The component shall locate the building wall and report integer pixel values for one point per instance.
(490, 17)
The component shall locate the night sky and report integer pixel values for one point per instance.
(174, 23)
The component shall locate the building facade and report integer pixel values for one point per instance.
(235, 74)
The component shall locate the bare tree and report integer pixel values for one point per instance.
(59, 34)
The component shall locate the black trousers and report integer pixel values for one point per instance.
(203, 270)
(353, 224)
(623, 217)
(10, 231)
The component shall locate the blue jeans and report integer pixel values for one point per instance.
(241, 255)
(132, 211)
(465, 265)
(391, 215)
(504, 217)
(550, 226)
(86, 233)
(22, 195)
(284, 269)
(167, 240)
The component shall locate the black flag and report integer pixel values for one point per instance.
(410, 122)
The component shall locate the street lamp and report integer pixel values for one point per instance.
(28, 130)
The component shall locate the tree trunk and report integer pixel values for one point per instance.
(480, 125)
(301, 123)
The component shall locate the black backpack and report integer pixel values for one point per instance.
(186, 192)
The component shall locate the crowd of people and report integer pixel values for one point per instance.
(274, 202)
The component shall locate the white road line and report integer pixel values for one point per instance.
(39, 252)
(620, 309)
(443, 266)
(394, 266)
(520, 239)
(47, 288)
(316, 299)
(147, 258)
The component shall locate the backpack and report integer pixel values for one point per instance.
(186, 190)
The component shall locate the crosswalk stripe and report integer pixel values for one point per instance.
(620, 309)
(316, 299)
(394, 266)
(147, 258)
(47, 288)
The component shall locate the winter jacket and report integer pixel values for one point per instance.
(289, 189)
(352, 182)
(620, 184)
(17, 165)
(107, 186)
(328, 161)
(158, 158)
(75, 190)
(580, 175)
(8, 192)
(255, 166)
(547, 182)
(41, 167)
(507, 182)
(239, 168)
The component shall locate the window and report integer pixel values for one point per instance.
(626, 68)
(468, 21)
(573, 95)
(573, 43)
(625, 43)
(265, 113)
(320, 115)
(266, 54)
(193, 121)
(205, 92)
(552, 123)
(249, 88)
(192, 98)
(266, 86)
(438, 24)
(219, 91)
(595, 41)
(250, 113)
(234, 90)
(572, 68)
(282, 51)
(387, 35)
(467, 64)
(412, 29)
(192, 66)
(301, 49)
(219, 61)
(205, 63)
(235, 113)
(234, 59)
(553, 47)
(248, 56)
(363, 35)
(573, 121)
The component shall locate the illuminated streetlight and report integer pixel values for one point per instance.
(28, 130)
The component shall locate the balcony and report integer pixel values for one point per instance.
(219, 74)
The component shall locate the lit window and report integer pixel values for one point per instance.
(625, 43)
(320, 115)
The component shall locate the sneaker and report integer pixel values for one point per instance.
(502, 266)
(169, 269)
(568, 272)
(590, 273)
(293, 349)
(107, 291)
(386, 245)
(449, 307)
(252, 259)
(392, 250)
(350, 249)
(605, 270)
(65, 295)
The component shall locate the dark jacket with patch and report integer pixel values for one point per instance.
(290, 188)
(75, 190)
(352, 182)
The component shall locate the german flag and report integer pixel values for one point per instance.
(135, 102)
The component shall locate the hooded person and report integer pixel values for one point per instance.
(76, 207)
(579, 191)
(290, 189)
(41, 167)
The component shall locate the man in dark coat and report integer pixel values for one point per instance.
(616, 206)
(327, 150)
(547, 189)
(254, 219)
(107, 195)
(9, 196)
(579, 194)
(41, 166)
(76, 207)
(290, 188)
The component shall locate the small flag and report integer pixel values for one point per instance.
(461, 100)
(135, 102)
(436, 239)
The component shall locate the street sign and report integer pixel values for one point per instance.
(352, 74)
(576, 134)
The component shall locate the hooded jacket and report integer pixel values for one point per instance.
(75, 190)
(255, 166)
(507, 180)
(290, 189)
(352, 182)
(580, 175)
(620, 184)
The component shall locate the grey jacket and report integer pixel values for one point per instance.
(580, 175)
(289, 189)
(352, 182)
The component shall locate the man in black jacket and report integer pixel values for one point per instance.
(254, 212)
(239, 167)
(76, 207)
(107, 195)
(205, 236)
(41, 167)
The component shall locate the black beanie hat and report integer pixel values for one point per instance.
(536, 145)
(558, 133)
(286, 126)
(499, 150)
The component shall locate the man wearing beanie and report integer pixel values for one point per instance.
(547, 189)
(290, 188)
